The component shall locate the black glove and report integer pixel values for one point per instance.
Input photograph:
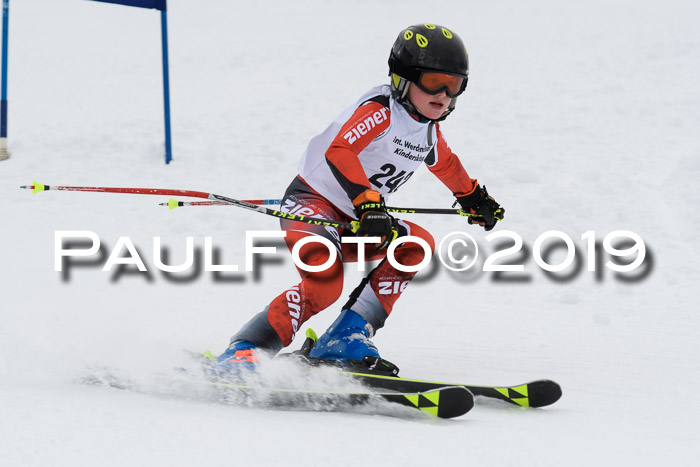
(374, 220)
(481, 208)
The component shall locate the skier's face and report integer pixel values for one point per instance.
(431, 106)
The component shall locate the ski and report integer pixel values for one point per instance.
(378, 373)
(447, 402)
(538, 393)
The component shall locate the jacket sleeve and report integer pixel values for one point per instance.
(367, 122)
(447, 167)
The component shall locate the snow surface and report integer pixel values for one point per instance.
(578, 117)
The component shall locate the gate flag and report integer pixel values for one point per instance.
(162, 7)
(155, 4)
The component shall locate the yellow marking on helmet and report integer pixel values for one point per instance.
(429, 26)
(396, 79)
(408, 35)
(446, 33)
(421, 40)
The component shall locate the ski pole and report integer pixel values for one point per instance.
(353, 225)
(253, 205)
(423, 210)
(38, 187)
(173, 203)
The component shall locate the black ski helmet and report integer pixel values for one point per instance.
(423, 48)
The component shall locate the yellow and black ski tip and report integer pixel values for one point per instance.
(447, 402)
(539, 393)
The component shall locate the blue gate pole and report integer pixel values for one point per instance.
(3, 98)
(166, 85)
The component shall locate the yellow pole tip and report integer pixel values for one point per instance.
(37, 187)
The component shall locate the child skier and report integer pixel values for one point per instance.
(347, 173)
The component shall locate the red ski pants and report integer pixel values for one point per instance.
(373, 299)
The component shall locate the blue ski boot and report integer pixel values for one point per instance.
(346, 339)
(239, 359)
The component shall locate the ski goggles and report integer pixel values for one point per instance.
(434, 82)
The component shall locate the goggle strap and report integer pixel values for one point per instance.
(406, 72)
(400, 84)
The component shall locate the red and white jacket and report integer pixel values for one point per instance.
(377, 144)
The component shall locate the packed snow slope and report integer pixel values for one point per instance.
(578, 117)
